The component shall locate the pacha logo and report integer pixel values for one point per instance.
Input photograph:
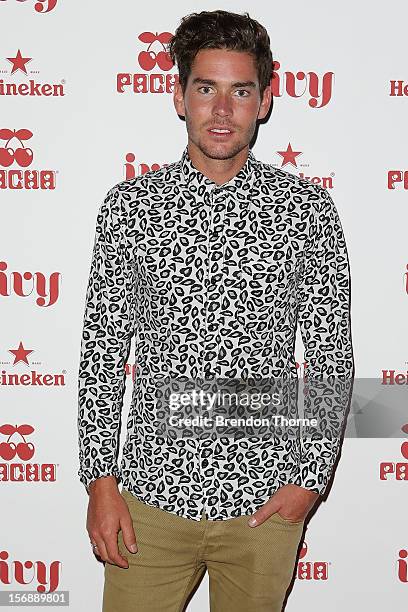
(397, 177)
(148, 60)
(32, 88)
(156, 62)
(311, 570)
(24, 449)
(31, 379)
(398, 469)
(41, 6)
(19, 448)
(47, 289)
(21, 156)
(289, 156)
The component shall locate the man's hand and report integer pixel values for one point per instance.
(291, 502)
(108, 513)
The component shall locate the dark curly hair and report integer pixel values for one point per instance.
(220, 30)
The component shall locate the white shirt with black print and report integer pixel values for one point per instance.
(211, 280)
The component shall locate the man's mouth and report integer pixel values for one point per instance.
(220, 132)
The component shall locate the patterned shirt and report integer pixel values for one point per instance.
(211, 280)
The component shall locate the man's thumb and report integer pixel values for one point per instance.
(264, 512)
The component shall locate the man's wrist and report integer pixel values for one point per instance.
(103, 482)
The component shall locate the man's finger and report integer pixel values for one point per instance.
(100, 549)
(114, 556)
(128, 535)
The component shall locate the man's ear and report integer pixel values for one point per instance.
(178, 99)
(266, 102)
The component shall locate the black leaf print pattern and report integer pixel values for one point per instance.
(212, 281)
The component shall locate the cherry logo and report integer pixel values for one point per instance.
(404, 450)
(24, 450)
(42, 6)
(45, 6)
(399, 468)
(404, 445)
(303, 550)
(23, 156)
(149, 59)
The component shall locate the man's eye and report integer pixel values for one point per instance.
(204, 87)
(244, 91)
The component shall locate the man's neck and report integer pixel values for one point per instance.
(218, 170)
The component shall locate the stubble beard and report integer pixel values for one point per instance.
(219, 151)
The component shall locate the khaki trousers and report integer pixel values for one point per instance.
(249, 568)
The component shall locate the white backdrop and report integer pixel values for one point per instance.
(334, 106)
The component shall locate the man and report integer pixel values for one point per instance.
(209, 262)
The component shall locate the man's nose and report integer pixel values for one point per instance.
(222, 105)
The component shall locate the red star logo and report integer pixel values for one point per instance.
(289, 156)
(19, 62)
(20, 354)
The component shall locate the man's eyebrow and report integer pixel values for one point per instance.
(212, 82)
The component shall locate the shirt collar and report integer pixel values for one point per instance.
(194, 178)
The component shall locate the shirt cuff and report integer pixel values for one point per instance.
(313, 476)
(99, 469)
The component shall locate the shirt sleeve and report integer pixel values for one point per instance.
(324, 304)
(108, 328)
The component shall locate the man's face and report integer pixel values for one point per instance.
(222, 92)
